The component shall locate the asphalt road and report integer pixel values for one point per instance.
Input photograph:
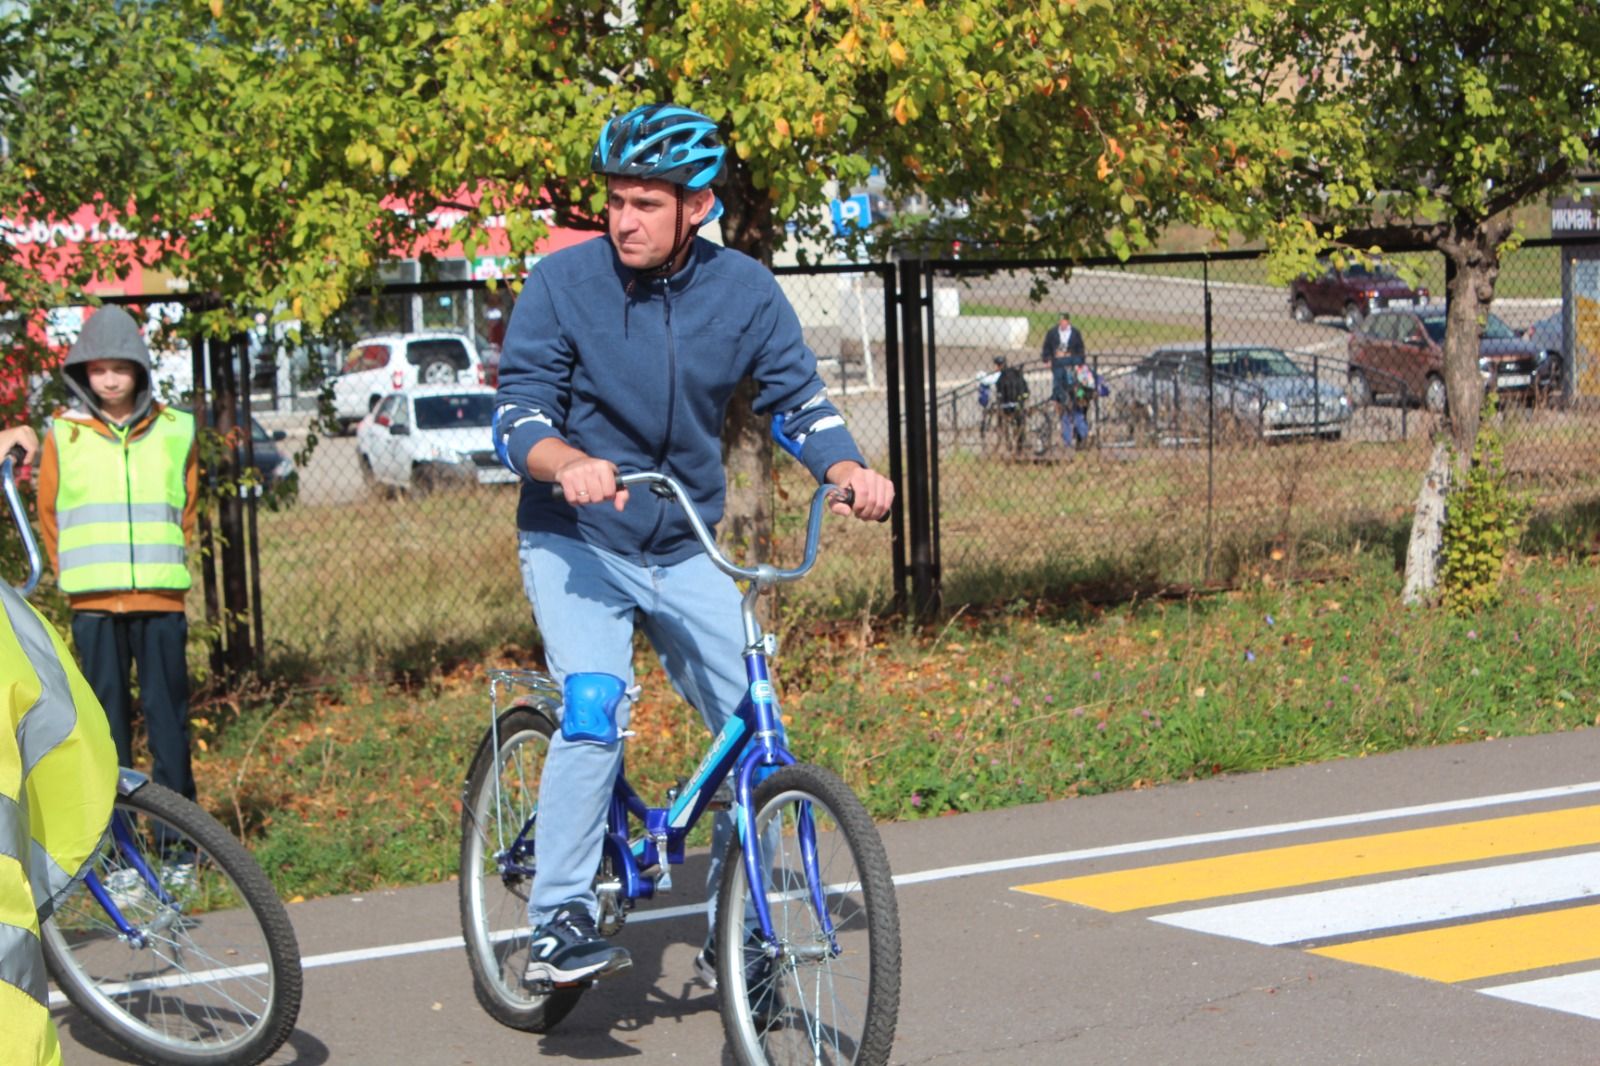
(996, 972)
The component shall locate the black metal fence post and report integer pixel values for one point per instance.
(1211, 419)
(200, 353)
(934, 603)
(918, 515)
(252, 500)
(230, 512)
(897, 473)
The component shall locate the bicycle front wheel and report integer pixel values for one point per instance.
(210, 973)
(497, 863)
(827, 990)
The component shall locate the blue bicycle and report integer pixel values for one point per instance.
(806, 889)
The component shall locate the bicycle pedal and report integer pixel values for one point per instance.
(545, 988)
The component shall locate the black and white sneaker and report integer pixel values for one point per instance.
(567, 949)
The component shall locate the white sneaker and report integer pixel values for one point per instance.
(705, 968)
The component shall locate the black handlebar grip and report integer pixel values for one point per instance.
(16, 454)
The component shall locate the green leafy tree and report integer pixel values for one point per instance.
(289, 147)
(72, 141)
(1419, 122)
(1037, 117)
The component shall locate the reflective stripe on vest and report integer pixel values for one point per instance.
(119, 506)
(21, 962)
(19, 947)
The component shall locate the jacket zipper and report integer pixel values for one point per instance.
(672, 403)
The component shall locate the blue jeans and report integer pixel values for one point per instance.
(584, 599)
(1074, 425)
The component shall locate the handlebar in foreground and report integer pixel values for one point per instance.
(30, 545)
(668, 487)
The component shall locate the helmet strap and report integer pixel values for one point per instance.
(680, 240)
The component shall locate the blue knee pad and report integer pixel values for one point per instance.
(590, 707)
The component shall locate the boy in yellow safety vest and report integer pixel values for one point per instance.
(58, 778)
(118, 483)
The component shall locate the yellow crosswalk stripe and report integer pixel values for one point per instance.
(1304, 864)
(1482, 949)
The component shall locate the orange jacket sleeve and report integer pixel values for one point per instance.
(47, 479)
(191, 496)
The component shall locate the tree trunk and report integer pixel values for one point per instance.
(747, 226)
(1427, 530)
(1472, 254)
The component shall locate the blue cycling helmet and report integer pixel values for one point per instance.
(660, 141)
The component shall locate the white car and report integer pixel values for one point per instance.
(430, 437)
(382, 365)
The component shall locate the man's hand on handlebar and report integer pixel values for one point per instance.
(874, 493)
(589, 480)
(19, 437)
(582, 478)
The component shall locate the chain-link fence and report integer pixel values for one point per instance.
(1306, 429)
(387, 535)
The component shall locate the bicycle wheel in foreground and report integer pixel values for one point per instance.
(211, 974)
(497, 872)
(818, 1001)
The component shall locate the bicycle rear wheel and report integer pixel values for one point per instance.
(210, 975)
(497, 864)
(809, 998)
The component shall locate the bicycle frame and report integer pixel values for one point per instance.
(750, 745)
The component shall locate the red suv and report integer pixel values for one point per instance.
(1353, 292)
(1401, 353)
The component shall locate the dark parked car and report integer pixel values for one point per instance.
(271, 463)
(1259, 391)
(1401, 354)
(1352, 292)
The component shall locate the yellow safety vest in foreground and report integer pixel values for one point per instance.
(119, 505)
(58, 779)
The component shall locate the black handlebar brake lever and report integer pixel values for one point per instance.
(847, 496)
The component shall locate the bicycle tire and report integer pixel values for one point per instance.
(218, 982)
(494, 904)
(811, 1006)
(1044, 431)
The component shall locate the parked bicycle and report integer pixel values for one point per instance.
(806, 888)
(175, 944)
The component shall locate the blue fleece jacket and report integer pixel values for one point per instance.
(643, 376)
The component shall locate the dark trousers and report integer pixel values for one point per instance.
(109, 644)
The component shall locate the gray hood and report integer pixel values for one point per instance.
(110, 333)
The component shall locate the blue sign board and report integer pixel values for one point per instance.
(854, 213)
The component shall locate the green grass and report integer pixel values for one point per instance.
(357, 787)
(402, 587)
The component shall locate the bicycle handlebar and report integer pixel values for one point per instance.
(30, 545)
(764, 574)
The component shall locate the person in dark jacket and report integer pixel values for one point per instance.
(621, 355)
(1064, 351)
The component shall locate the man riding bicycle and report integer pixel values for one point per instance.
(622, 354)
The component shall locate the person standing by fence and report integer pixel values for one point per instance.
(1064, 351)
(118, 489)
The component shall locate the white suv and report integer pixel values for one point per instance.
(378, 366)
